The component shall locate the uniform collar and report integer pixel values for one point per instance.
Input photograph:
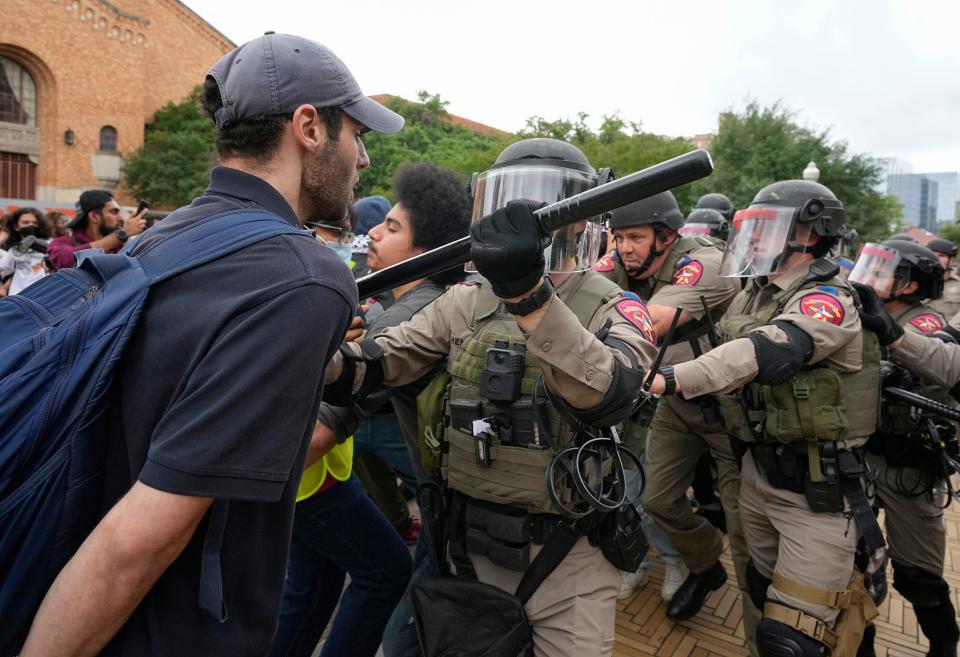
(791, 276)
(225, 181)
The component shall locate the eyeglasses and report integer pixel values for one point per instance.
(344, 236)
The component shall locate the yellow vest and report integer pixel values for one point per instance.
(338, 463)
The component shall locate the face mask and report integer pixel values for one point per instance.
(345, 251)
(28, 230)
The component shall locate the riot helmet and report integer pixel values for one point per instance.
(545, 170)
(704, 221)
(787, 218)
(718, 202)
(890, 265)
(946, 251)
(658, 211)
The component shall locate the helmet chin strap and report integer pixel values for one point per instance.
(655, 253)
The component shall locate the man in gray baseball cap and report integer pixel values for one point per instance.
(216, 397)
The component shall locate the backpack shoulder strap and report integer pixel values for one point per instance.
(209, 239)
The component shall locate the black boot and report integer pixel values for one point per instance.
(688, 599)
(939, 624)
(866, 644)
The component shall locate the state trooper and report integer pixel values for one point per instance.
(948, 304)
(582, 347)
(719, 202)
(671, 271)
(905, 453)
(706, 221)
(805, 379)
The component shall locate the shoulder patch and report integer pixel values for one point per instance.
(829, 290)
(682, 261)
(627, 294)
(927, 323)
(688, 274)
(636, 313)
(822, 307)
(605, 263)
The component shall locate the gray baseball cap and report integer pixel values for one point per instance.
(277, 73)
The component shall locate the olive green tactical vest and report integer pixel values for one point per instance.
(818, 403)
(899, 417)
(516, 475)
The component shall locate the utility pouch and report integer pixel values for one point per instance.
(826, 496)
(430, 420)
(784, 468)
(512, 556)
(808, 407)
(463, 412)
(500, 522)
(621, 539)
(525, 418)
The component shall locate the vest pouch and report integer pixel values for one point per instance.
(515, 475)
(808, 407)
(430, 420)
(735, 417)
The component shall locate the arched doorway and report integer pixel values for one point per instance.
(19, 134)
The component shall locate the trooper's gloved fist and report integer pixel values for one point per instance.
(507, 248)
(875, 317)
(894, 376)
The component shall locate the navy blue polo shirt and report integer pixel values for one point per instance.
(217, 395)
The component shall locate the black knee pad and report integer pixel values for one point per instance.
(920, 587)
(774, 639)
(757, 585)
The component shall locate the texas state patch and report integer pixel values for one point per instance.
(927, 323)
(605, 263)
(636, 313)
(822, 307)
(688, 274)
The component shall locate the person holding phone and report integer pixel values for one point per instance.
(97, 225)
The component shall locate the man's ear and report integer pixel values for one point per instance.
(909, 288)
(308, 128)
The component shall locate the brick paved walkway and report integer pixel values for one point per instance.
(717, 631)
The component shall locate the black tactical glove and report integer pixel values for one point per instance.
(874, 316)
(507, 248)
(894, 376)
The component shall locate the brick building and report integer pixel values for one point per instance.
(79, 79)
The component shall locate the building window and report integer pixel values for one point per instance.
(18, 177)
(108, 139)
(18, 94)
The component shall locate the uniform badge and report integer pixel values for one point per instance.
(927, 323)
(636, 313)
(605, 263)
(822, 307)
(688, 274)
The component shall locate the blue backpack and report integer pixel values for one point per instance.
(60, 341)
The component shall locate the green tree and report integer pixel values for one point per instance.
(172, 166)
(951, 232)
(762, 145)
(427, 136)
(618, 144)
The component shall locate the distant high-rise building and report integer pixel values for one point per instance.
(948, 192)
(918, 194)
(891, 166)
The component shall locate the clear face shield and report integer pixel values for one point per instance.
(575, 247)
(763, 241)
(876, 266)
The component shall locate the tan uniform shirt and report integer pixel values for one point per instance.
(948, 304)
(679, 284)
(929, 357)
(827, 314)
(575, 364)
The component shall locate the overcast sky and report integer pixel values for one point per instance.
(882, 75)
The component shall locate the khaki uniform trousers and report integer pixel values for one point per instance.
(676, 440)
(914, 526)
(816, 549)
(574, 610)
